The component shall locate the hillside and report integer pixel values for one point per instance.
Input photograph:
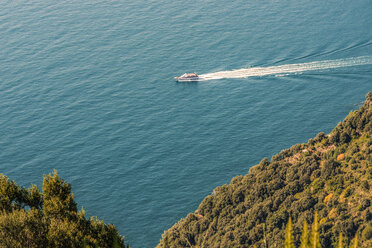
(331, 175)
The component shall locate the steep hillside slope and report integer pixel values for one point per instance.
(331, 174)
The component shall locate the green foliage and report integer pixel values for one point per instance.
(30, 218)
(315, 236)
(166, 242)
(34, 198)
(288, 243)
(367, 233)
(22, 228)
(340, 240)
(354, 243)
(296, 182)
(58, 199)
(305, 242)
(315, 242)
(11, 196)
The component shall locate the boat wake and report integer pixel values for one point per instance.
(287, 69)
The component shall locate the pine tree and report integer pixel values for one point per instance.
(340, 241)
(354, 242)
(58, 198)
(315, 240)
(288, 243)
(305, 243)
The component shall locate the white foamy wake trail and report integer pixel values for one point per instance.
(288, 69)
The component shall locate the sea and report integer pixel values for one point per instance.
(87, 88)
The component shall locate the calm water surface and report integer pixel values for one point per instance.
(86, 87)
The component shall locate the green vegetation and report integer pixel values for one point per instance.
(305, 241)
(288, 243)
(30, 218)
(315, 242)
(314, 238)
(331, 176)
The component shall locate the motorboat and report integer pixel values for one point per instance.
(188, 77)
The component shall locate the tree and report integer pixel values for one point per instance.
(315, 240)
(34, 198)
(288, 243)
(30, 218)
(354, 242)
(58, 199)
(340, 245)
(305, 243)
(11, 195)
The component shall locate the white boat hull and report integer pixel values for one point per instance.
(193, 79)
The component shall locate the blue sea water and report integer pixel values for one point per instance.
(86, 87)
